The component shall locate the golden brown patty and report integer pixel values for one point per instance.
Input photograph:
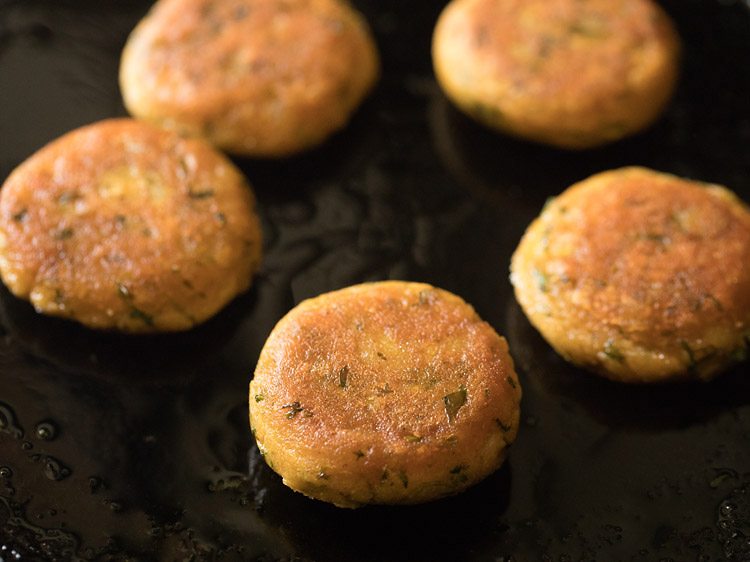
(640, 276)
(122, 225)
(255, 77)
(387, 393)
(564, 72)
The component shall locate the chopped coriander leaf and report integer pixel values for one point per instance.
(201, 194)
(293, 409)
(64, 234)
(404, 479)
(142, 316)
(454, 402)
(503, 427)
(541, 280)
(343, 376)
(612, 352)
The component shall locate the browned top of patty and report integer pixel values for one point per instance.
(564, 47)
(569, 72)
(651, 253)
(264, 69)
(388, 365)
(123, 225)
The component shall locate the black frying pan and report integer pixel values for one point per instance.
(143, 452)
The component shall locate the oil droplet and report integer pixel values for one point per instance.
(95, 484)
(5, 472)
(55, 470)
(8, 423)
(115, 506)
(726, 509)
(9, 553)
(46, 431)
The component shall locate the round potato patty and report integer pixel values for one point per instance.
(384, 393)
(120, 225)
(255, 77)
(640, 276)
(567, 73)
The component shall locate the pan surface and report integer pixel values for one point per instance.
(137, 448)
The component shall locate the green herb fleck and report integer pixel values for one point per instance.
(120, 219)
(323, 475)
(716, 302)
(612, 352)
(503, 427)
(68, 197)
(184, 168)
(654, 237)
(64, 234)
(384, 475)
(453, 403)
(541, 280)
(203, 194)
(404, 479)
(511, 382)
(381, 356)
(458, 474)
(292, 409)
(451, 440)
(259, 398)
(343, 376)
(411, 438)
(221, 217)
(690, 353)
(359, 454)
(138, 314)
(385, 390)
(588, 27)
(20, 215)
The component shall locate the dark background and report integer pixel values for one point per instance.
(148, 455)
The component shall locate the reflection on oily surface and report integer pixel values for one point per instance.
(507, 171)
(696, 137)
(408, 533)
(77, 350)
(622, 406)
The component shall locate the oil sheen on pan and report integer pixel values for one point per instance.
(119, 447)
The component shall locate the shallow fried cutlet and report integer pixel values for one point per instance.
(562, 72)
(120, 225)
(255, 77)
(384, 393)
(640, 276)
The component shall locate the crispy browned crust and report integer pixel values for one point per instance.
(564, 72)
(387, 392)
(640, 276)
(255, 77)
(120, 225)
